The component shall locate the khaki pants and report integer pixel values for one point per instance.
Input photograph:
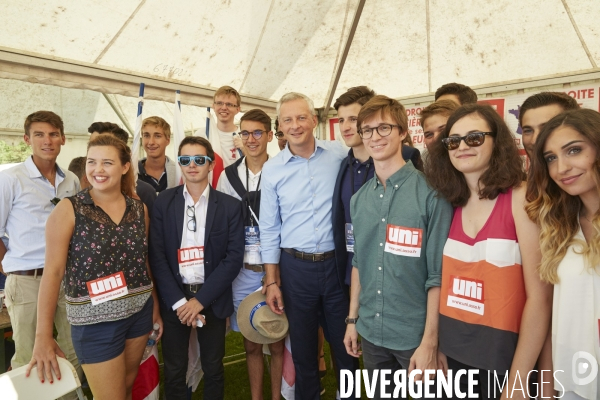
(21, 296)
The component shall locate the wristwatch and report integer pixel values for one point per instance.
(351, 320)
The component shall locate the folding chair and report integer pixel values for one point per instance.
(15, 386)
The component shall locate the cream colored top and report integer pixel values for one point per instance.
(576, 326)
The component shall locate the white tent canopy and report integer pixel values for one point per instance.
(265, 48)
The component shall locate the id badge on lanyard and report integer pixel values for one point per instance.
(349, 233)
(107, 288)
(252, 244)
(191, 263)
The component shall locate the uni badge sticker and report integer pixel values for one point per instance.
(466, 294)
(403, 241)
(107, 288)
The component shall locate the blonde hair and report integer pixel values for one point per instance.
(553, 209)
(228, 91)
(158, 121)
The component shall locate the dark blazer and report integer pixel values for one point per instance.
(339, 225)
(223, 249)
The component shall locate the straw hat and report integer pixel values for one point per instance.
(258, 323)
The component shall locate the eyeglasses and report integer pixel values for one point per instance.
(257, 134)
(228, 105)
(191, 213)
(278, 134)
(184, 161)
(383, 130)
(474, 139)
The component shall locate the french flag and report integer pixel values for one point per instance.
(288, 378)
(213, 138)
(137, 133)
(146, 383)
(178, 135)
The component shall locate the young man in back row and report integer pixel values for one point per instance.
(355, 170)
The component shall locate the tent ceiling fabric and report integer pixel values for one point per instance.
(266, 48)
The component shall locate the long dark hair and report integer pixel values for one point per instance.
(504, 171)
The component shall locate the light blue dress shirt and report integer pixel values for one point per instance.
(296, 199)
(25, 206)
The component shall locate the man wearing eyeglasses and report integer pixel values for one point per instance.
(226, 105)
(28, 193)
(297, 244)
(401, 229)
(242, 180)
(196, 251)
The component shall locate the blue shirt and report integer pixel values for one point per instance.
(25, 206)
(295, 204)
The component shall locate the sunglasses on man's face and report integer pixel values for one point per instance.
(184, 161)
(474, 139)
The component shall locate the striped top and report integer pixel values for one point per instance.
(483, 291)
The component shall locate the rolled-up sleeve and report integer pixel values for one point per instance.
(440, 217)
(270, 219)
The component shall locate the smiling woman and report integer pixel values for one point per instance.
(97, 240)
(492, 248)
(565, 199)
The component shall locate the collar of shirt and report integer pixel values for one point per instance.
(142, 165)
(241, 169)
(398, 177)
(354, 160)
(287, 154)
(34, 172)
(189, 201)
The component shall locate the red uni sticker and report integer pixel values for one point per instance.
(107, 288)
(190, 254)
(403, 241)
(466, 294)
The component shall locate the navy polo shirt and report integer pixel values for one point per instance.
(362, 173)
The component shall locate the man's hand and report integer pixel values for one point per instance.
(274, 299)
(424, 357)
(188, 312)
(351, 341)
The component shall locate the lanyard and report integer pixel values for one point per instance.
(248, 191)
(369, 161)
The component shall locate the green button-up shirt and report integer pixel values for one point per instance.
(399, 234)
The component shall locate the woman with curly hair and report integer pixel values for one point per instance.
(494, 309)
(564, 200)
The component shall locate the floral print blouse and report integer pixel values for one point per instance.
(100, 248)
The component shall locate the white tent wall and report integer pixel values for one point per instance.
(265, 48)
(268, 47)
(79, 108)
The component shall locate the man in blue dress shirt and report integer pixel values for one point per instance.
(297, 241)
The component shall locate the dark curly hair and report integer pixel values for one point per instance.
(504, 171)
